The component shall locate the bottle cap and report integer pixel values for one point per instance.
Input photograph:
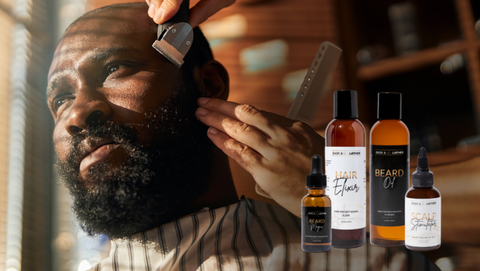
(316, 177)
(389, 105)
(423, 177)
(345, 104)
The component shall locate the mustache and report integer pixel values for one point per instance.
(92, 136)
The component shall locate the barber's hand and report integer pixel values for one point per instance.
(163, 10)
(277, 151)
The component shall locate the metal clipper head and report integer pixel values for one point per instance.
(175, 37)
(175, 42)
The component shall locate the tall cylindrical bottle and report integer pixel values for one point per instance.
(345, 167)
(389, 172)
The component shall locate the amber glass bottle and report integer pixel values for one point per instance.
(345, 167)
(316, 211)
(389, 172)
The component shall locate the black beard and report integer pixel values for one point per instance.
(156, 185)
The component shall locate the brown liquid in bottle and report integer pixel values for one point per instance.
(316, 228)
(346, 133)
(316, 199)
(388, 132)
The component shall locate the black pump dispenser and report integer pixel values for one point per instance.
(316, 177)
(423, 177)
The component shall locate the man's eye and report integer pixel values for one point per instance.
(113, 69)
(57, 103)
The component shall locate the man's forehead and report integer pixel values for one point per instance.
(99, 32)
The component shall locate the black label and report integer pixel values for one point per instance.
(316, 225)
(389, 181)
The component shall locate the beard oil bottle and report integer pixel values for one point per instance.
(422, 209)
(389, 172)
(316, 211)
(345, 167)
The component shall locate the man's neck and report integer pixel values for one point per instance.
(221, 191)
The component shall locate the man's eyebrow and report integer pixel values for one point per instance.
(96, 57)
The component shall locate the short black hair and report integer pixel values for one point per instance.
(199, 54)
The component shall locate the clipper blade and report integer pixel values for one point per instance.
(175, 42)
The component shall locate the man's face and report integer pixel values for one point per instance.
(124, 132)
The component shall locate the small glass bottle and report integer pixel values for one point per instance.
(423, 209)
(316, 211)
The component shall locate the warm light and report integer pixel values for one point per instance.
(84, 265)
(292, 81)
(233, 26)
(262, 56)
(445, 264)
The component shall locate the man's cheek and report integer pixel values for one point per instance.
(61, 142)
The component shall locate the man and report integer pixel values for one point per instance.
(140, 167)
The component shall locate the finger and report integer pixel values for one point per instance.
(242, 112)
(153, 6)
(239, 131)
(245, 156)
(204, 9)
(166, 10)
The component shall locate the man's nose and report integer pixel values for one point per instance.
(89, 109)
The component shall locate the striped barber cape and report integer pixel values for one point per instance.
(247, 235)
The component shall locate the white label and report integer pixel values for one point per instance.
(345, 168)
(423, 222)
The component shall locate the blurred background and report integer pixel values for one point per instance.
(426, 49)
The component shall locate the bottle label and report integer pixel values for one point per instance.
(389, 181)
(316, 225)
(345, 168)
(423, 222)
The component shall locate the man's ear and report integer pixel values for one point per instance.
(213, 80)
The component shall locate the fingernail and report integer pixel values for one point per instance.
(212, 131)
(202, 100)
(151, 10)
(202, 111)
(158, 15)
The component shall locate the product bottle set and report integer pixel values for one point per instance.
(397, 217)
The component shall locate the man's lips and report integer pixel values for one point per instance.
(96, 155)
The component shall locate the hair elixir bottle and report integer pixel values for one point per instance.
(423, 209)
(316, 211)
(345, 167)
(389, 172)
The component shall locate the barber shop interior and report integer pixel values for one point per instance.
(240, 135)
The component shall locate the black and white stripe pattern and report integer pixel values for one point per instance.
(248, 235)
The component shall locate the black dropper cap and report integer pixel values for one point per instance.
(345, 104)
(316, 177)
(389, 105)
(423, 177)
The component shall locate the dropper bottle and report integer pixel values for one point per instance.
(316, 211)
(422, 209)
